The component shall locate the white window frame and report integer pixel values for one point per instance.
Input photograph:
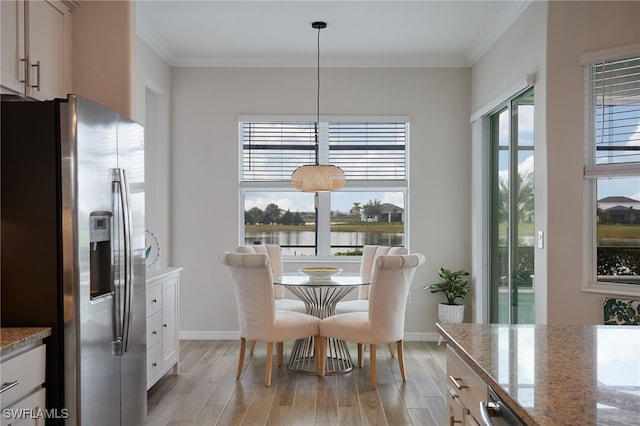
(591, 174)
(323, 199)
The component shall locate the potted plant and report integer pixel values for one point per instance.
(454, 287)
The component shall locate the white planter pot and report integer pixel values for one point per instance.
(450, 313)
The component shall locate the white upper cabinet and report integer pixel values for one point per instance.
(13, 49)
(36, 40)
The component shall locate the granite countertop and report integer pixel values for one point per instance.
(556, 374)
(14, 338)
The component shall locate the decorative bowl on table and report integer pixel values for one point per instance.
(320, 272)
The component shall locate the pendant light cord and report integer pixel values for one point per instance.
(317, 126)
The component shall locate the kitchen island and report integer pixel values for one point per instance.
(555, 374)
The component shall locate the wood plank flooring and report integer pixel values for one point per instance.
(206, 391)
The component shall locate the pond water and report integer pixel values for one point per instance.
(300, 243)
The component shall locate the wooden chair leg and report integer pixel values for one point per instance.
(391, 350)
(267, 374)
(241, 359)
(322, 355)
(372, 360)
(279, 349)
(401, 360)
(252, 346)
(360, 362)
(316, 353)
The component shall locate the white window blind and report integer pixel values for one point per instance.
(369, 151)
(616, 111)
(272, 150)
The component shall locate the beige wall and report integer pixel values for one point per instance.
(574, 28)
(153, 100)
(547, 40)
(205, 219)
(102, 59)
(498, 75)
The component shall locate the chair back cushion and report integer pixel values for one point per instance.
(274, 252)
(369, 254)
(253, 285)
(621, 312)
(392, 277)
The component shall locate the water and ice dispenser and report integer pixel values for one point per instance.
(101, 280)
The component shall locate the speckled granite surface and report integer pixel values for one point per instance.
(556, 374)
(14, 338)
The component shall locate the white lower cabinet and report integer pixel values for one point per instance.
(163, 344)
(22, 397)
(465, 392)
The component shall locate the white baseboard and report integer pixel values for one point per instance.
(235, 335)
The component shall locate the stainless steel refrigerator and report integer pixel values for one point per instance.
(72, 252)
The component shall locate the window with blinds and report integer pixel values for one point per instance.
(612, 168)
(271, 151)
(616, 110)
(370, 209)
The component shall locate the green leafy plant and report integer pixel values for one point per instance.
(454, 285)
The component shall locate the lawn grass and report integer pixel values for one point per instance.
(621, 232)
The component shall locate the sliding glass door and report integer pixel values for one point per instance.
(511, 293)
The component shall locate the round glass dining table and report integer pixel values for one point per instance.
(320, 297)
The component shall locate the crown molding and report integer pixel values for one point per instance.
(500, 25)
(153, 41)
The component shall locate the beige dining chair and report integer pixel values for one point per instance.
(257, 315)
(274, 252)
(384, 321)
(361, 304)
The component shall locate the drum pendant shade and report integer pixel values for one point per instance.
(318, 177)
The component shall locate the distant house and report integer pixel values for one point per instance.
(619, 209)
(389, 213)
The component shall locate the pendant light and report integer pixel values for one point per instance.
(317, 177)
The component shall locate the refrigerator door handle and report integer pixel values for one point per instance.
(120, 181)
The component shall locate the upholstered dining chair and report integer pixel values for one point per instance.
(274, 252)
(361, 304)
(369, 254)
(258, 318)
(384, 321)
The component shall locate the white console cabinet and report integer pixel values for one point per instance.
(163, 344)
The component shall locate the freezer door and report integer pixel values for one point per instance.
(95, 142)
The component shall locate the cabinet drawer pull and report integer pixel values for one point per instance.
(453, 421)
(8, 385)
(155, 364)
(165, 325)
(154, 332)
(456, 383)
(154, 301)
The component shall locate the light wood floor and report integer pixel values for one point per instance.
(207, 393)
